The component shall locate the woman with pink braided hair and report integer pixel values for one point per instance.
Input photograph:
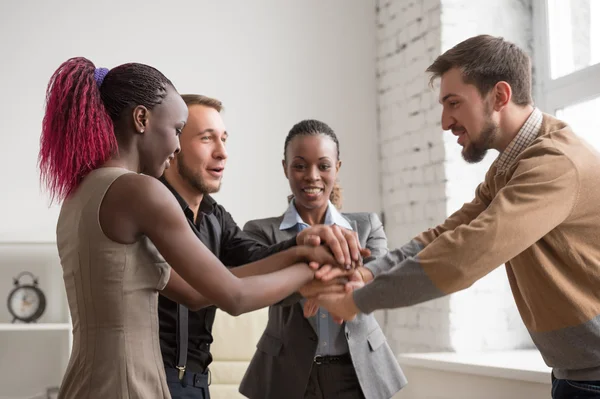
(106, 138)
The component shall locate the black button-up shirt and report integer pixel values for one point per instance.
(233, 248)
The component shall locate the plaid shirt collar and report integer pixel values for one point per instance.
(522, 140)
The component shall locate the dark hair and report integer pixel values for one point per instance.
(81, 110)
(485, 60)
(312, 127)
(198, 99)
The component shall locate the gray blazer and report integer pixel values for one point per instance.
(281, 366)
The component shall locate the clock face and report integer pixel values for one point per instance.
(25, 302)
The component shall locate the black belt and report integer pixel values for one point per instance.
(197, 380)
(339, 359)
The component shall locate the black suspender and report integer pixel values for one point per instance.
(182, 339)
(182, 311)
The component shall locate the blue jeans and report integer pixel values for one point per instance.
(569, 389)
(193, 386)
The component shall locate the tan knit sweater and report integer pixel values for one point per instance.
(540, 217)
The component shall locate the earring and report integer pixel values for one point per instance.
(142, 131)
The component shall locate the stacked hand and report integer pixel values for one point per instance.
(341, 306)
(339, 270)
(328, 291)
(342, 243)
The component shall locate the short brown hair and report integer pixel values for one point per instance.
(486, 60)
(198, 99)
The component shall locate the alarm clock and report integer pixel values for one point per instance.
(26, 302)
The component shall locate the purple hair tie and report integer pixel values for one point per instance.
(99, 75)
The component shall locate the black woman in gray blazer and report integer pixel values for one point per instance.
(299, 357)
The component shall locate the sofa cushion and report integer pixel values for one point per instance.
(228, 372)
(227, 391)
(235, 338)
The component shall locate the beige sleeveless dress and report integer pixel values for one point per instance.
(112, 290)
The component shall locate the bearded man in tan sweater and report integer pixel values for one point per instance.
(537, 212)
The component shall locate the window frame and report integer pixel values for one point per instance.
(551, 95)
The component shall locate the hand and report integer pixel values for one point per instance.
(317, 256)
(341, 306)
(317, 287)
(327, 273)
(343, 243)
(310, 308)
(355, 281)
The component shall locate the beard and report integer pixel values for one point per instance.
(475, 151)
(193, 178)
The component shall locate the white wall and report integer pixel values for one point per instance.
(271, 62)
(412, 153)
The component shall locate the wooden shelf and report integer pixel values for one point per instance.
(35, 327)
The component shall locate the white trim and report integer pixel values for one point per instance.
(541, 53)
(574, 88)
(521, 365)
(35, 327)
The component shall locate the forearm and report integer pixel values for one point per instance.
(265, 290)
(242, 247)
(515, 220)
(273, 263)
(260, 252)
(451, 263)
(197, 302)
(405, 285)
(178, 290)
(467, 213)
(389, 260)
(260, 267)
(378, 242)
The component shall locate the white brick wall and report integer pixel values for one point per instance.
(412, 152)
(424, 178)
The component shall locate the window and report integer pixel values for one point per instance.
(583, 117)
(574, 35)
(567, 63)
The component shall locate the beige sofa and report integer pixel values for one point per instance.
(235, 343)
